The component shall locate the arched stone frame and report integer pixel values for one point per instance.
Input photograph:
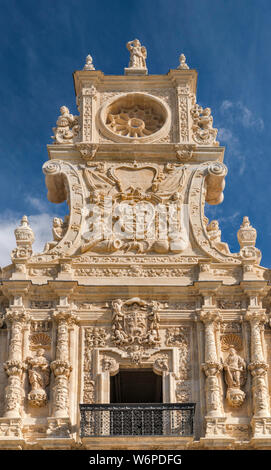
(108, 361)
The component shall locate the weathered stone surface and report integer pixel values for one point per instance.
(135, 276)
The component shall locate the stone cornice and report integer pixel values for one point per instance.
(165, 151)
(128, 82)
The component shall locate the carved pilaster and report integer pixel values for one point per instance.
(258, 366)
(14, 366)
(62, 367)
(211, 367)
(88, 112)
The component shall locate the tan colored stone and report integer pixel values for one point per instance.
(135, 277)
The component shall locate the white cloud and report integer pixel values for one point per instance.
(238, 112)
(226, 136)
(37, 204)
(41, 225)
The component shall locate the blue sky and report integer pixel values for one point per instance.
(43, 42)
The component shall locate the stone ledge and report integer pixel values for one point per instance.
(218, 442)
(136, 442)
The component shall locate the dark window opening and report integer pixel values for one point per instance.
(136, 386)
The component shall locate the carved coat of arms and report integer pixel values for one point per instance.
(135, 323)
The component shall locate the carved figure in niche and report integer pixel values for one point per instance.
(38, 373)
(214, 235)
(67, 127)
(59, 229)
(203, 132)
(235, 377)
(234, 367)
(138, 54)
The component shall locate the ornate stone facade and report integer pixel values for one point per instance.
(135, 277)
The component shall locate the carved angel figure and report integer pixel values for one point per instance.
(214, 235)
(59, 229)
(235, 368)
(38, 373)
(66, 127)
(138, 54)
(203, 125)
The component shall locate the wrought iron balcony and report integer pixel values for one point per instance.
(125, 419)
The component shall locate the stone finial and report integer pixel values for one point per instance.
(183, 65)
(246, 234)
(24, 234)
(24, 239)
(138, 55)
(89, 63)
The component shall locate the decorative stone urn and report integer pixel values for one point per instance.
(246, 234)
(24, 234)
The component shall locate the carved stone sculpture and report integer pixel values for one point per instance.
(38, 373)
(214, 235)
(138, 54)
(89, 63)
(183, 65)
(135, 324)
(235, 377)
(203, 131)
(59, 229)
(67, 127)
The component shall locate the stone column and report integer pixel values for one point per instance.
(261, 420)
(14, 366)
(61, 366)
(211, 366)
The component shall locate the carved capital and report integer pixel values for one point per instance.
(65, 317)
(258, 369)
(256, 316)
(19, 316)
(61, 368)
(14, 367)
(210, 316)
(211, 369)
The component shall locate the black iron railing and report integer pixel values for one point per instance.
(121, 419)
